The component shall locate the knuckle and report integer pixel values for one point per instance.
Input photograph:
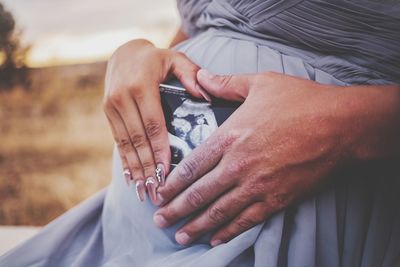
(225, 80)
(167, 191)
(221, 142)
(244, 223)
(195, 198)
(148, 166)
(187, 169)
(216, 214)
(124, 145)
(278, 201)
(238, 166)
(153, 128)
(255, 190)
(138, 140)
(158, 152)
(137, 92)
(116, 97)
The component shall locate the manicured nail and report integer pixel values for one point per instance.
(128, 176)
(182, 238)
(160, 221)
(160, 174)
(151, 188)
(215, 243)
(140, 190)
(205, 95)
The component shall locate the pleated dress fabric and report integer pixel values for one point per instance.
(355, 221)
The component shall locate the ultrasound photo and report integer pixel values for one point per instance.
(190, 121)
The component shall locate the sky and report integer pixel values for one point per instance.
(80, 31)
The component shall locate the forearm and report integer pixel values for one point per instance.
(373, 121)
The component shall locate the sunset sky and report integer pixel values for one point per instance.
(76, 31)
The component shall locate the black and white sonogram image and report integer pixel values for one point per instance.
(189, 121)
(193, 123)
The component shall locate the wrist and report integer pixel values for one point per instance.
(368, 121)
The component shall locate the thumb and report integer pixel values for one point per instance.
(228, 87)
(185, 70)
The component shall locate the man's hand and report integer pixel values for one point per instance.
(280, 144)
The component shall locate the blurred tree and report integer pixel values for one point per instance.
(13, 70)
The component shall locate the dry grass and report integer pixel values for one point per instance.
(55, 144)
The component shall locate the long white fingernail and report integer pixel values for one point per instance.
(140, 190)
(151, 188)
(128, 176)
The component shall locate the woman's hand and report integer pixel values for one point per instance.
(133, 108)
(281, 144)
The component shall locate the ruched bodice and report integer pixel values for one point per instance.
(356, 41)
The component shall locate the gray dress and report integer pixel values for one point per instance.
(353, 222)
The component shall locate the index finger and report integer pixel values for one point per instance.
(203, 158)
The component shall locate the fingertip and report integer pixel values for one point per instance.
(216, 242)
(194, 88)
(219, 237)
(160, 221)
(186, 72)
(207, 83)
(203, 93)
(182, 238)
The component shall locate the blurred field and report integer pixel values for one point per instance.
(55, 145)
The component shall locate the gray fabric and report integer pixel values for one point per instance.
(356, 41)
(353, 222)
